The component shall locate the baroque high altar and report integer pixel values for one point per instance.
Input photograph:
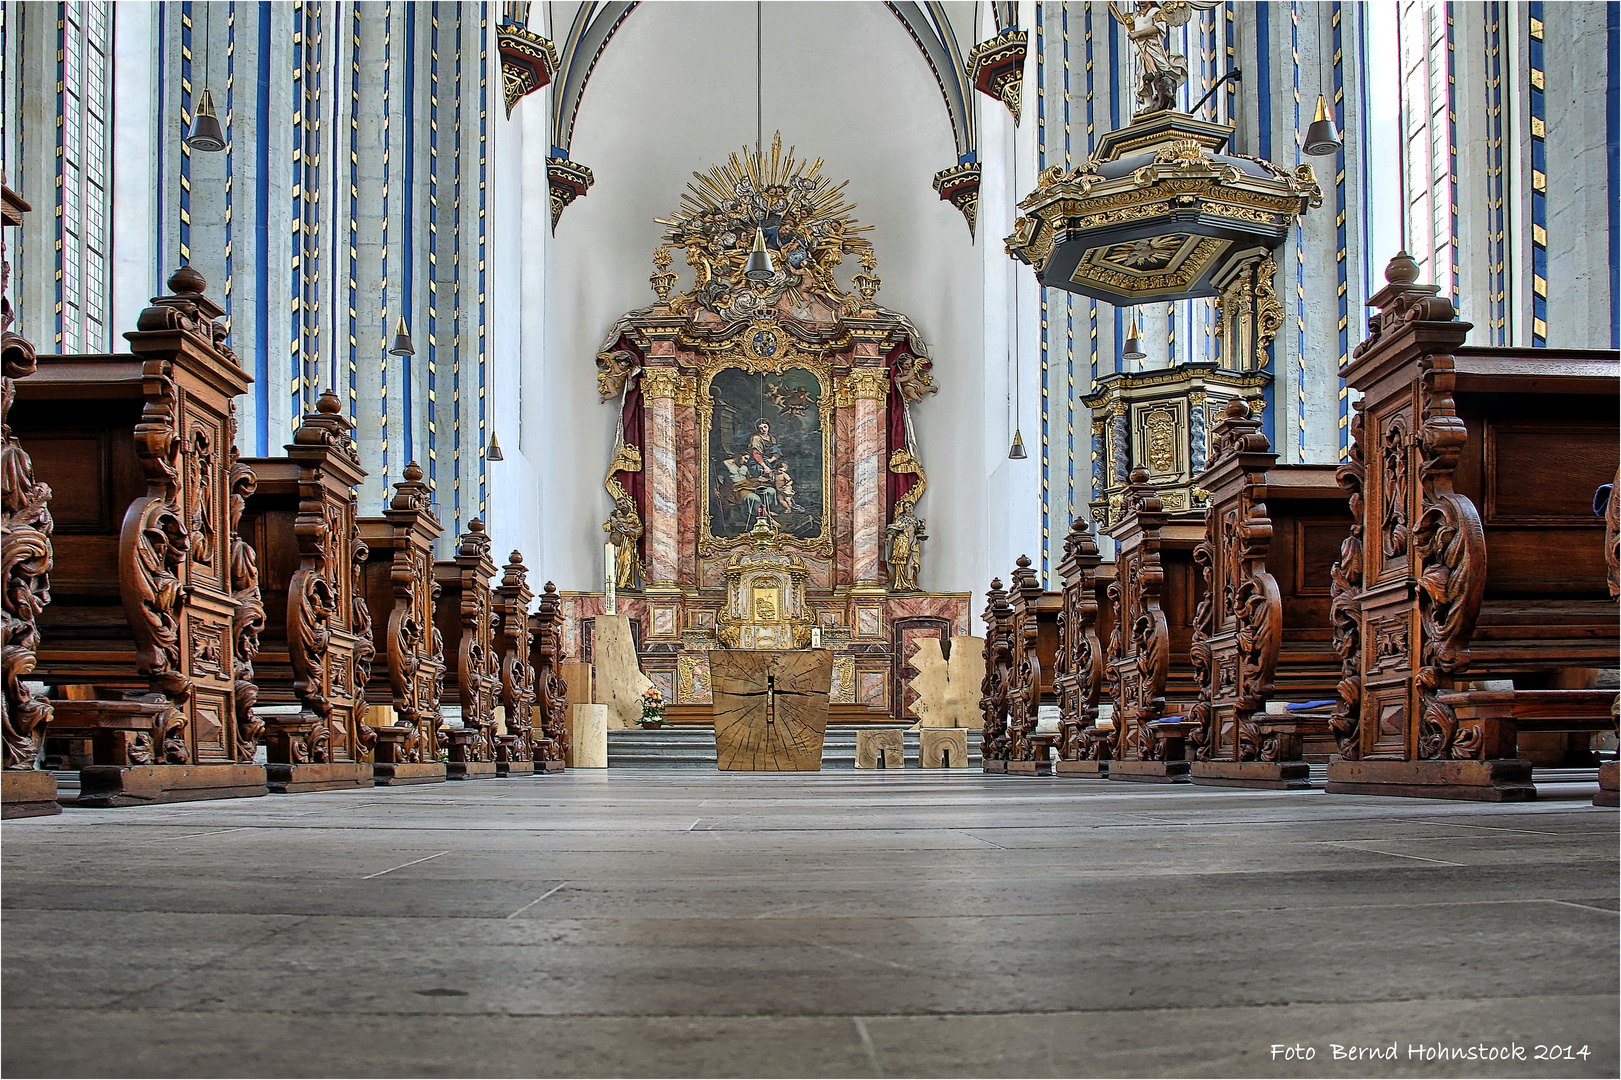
(765, 479)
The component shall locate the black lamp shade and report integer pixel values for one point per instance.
(759, 267)
(206, 134)
(1016, 452)
(402, 341)
(1134, 343)
(1322, 138)
(493, 451)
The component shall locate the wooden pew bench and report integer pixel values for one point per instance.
(1035, 629)
(515, 748)
(398, 583)
(997, 685)
(313, 649)
(1263, 629)
(1149, 666)
(1475, 555)
(1085, 622)
(551, 741)
(464, 618)
(140, 451)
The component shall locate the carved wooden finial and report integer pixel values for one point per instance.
(996, 583)
(1139, 475)
(1022, 562)
(475, 542)
(328, 403)
(186, 280)
(410, 494)
(1402, 269)
(514, 575)
(1239, 432)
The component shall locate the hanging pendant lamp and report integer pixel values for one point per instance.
(1016, 452)
(1134, 342)
(759, 267)
(402, 341)
(1322, 136)
(206, 134)
(493, 451)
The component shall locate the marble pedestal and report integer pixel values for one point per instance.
(588, 743)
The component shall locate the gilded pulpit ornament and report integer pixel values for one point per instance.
(1164, 212)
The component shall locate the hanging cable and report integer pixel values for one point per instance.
(759, 79)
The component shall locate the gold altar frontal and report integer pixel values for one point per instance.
(770, 708)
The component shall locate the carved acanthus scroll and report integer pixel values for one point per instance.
(26, 539)
(1345, 608)
(997, 684)
(551, 691)
(249, 618)
(1078, 678)
(517, 673)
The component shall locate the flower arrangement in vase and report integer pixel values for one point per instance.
(652, 708)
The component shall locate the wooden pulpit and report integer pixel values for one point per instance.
(770, 708)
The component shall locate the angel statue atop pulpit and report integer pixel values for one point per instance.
(1160, 73)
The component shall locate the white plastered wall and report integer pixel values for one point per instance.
(674, 93)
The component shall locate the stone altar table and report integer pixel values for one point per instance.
(770, 708)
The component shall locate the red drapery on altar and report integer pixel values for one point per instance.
(635, 483)
(899, 483)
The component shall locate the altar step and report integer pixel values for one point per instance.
(694, 748)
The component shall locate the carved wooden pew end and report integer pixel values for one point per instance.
(1609, 781)
(29, 793)
(1040, 748)
(1283, 766)
(127, 737)
(393, 766)
(469, 748)
(1489, 722)
(508, 760)
(1169, 737)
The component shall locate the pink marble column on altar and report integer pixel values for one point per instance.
(843, 492)
(688, 487)
(870, 385)
(658, 391)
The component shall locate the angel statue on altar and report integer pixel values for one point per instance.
(1161, 74)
